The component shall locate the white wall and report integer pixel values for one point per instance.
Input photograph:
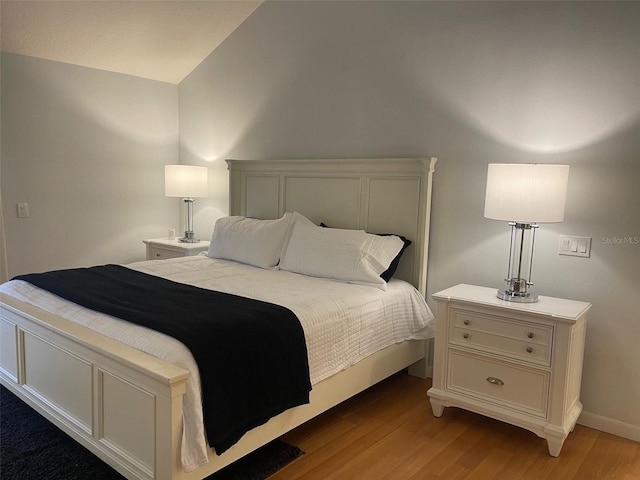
(471, 83)
(86, 150)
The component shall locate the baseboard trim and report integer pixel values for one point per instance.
(609, 425)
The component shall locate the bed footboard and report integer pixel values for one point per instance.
(123, 405)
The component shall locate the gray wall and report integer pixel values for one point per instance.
(470, 83)
(86, 150)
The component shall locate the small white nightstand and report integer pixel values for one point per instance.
(516, 362)
(162, 248)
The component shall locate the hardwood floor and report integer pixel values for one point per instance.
(389, 432)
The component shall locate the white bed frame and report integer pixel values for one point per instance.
(126, 406)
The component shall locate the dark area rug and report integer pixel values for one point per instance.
(32, 448)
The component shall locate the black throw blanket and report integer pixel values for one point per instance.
(251, 355)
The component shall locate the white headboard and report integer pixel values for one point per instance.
(379, 195)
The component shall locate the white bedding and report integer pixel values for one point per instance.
(343, 323)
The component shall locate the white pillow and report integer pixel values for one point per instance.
(295, 218)
(249, 240)
(349, 255)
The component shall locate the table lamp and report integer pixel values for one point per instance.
(188, 182)
(524, 195)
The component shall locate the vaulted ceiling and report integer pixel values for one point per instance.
(158, 40)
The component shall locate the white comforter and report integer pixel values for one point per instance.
(343, 323)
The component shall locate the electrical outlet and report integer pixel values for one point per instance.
(23, 210)
(574, 246)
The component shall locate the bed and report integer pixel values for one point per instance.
(127, 406)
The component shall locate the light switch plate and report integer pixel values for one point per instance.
(23, 210)
(574, 246)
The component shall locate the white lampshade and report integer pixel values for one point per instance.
(526, 193)
(186, 181)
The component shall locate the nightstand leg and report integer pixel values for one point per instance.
(555, 445)
(437, 407)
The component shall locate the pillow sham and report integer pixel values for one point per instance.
(349, 255)
(249, 240)
(393, 266)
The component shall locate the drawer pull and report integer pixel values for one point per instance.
(495, 381)
(465, 335)
(466, 322)
(529, 350)
(530, 335)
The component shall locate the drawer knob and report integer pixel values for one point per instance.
(465, 335)
(529, 349)
(466, 322)
(495, 381)
(530, 334)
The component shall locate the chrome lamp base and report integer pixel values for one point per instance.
(189, 237)
(511, 295)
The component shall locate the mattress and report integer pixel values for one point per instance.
(343, 323)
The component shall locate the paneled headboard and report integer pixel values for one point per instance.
(379, 195)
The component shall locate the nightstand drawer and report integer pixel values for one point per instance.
(512, 386)
(156, 253)
(516, 339)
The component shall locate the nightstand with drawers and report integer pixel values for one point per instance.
(520, 363)
(162, 248)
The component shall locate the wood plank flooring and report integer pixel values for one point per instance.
(389, 432)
